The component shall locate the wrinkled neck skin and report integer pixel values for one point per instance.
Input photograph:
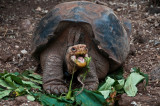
(71, 66)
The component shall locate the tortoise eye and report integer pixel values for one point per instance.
(73, 49)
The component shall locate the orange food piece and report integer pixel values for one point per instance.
(81, 65)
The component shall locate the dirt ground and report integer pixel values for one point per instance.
(18, 19)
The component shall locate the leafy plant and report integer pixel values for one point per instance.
(29, 83)
(88, 60)
(15, 84)
(116, 84)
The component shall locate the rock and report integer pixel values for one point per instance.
(151, 41)
(155, 74)
(16, 46)
(23, 101)
(138, 100)
(6, 57)
(45, 11)
(2, 29)
(134, 103)
(156, 24)
(156, 43)
(19, 55)
(24, 51)
(26, 25)
(139, 37)
(38, 9)
(153, 10)
(132, 50)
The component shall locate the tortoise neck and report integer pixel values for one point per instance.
(76, 36)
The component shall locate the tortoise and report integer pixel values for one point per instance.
(72, 31)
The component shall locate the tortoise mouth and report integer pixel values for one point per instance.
(79, 59)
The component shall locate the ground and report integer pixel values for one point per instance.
(18, 18)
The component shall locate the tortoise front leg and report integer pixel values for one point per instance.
(91, 82)
(52, 66)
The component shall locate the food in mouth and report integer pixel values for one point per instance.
(76, 57)
(77, 54)
(79, 60)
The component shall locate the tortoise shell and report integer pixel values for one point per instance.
(107, 29)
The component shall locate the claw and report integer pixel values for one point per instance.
(56, 89)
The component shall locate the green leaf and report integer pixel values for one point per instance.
(2, 74)
(4, 84)
(4, 93)
(90, 98)
(120, 84)
(1, 89)
(16, 73)
(105, 93)
(8, 80)
(22, 90)
(32, 80)
(141, 73)
(35, 76)
(88, 60)
(130, 85)
(31, 84)
(27, 72)
(30, 97)
(49, 101)
(117, 75)
(131, 90)
(16, 79)
(107, 85)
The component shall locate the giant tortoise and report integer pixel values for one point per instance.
(75, 30)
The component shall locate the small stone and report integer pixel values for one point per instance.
(19, 55)
(38, 9)
(134, 103)
(131, 70)
(156, 43)
(119, 9)
(156, 24)
(26, 25)
(16, 46)
(155, 73)
(147, 46)
(20, 64)
(2, 29)
(24, 51)
(132, 50)
(45, 11)
(150, 41)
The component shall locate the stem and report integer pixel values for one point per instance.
(70, 86)
(84, 77)
(85, 74)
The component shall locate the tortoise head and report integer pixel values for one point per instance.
(75, 57)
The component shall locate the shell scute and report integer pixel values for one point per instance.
(108, 30)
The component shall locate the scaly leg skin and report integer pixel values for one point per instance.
(91, 82)
(52, 66)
